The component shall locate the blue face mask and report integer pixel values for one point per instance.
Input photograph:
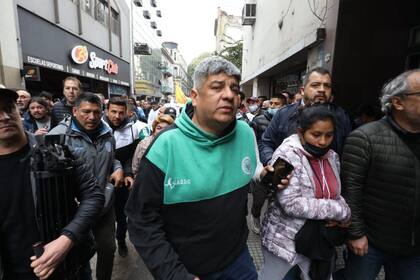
(272, 111)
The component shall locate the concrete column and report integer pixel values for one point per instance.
(255, 87)
(10, 48)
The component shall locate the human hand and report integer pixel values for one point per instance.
(54, 253)
(266, 176)
(359, 246)
(41, 131)
(117, 177)
(128, 182)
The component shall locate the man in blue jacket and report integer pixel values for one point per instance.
(316, 89)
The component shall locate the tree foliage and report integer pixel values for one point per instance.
(233, 53)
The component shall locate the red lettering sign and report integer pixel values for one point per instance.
(111, 67)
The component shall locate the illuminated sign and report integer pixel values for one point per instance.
(106, 64)
(80, 55)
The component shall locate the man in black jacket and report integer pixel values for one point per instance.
(316, 89)
(381, 175)
(18, 224)
(64, 107)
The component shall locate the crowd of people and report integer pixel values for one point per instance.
(179, 182)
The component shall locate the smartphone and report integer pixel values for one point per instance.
(281, 169)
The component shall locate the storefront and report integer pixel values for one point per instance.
(50, 54)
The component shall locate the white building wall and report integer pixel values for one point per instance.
(266, 44)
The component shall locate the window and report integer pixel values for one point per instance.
(138, 3)
(158, 13)
(153, 24)
(101, 12)
(115, 22)
(153, 3)
(146, 14)
(86, 6)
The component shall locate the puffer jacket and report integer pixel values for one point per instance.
(61, 110)
(284, 124)
(98, 156)
(260, 123)
(295, 204)
(381, 183)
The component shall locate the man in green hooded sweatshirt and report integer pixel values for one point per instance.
(187, 210)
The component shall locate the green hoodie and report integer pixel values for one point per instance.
(198, 165)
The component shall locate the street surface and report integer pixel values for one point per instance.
(132, 267)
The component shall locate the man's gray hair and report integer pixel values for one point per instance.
(396, 87)
(214, 65)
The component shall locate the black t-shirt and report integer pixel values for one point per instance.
(18, 230)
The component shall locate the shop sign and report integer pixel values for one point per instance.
(106, 64)
(80, 55)
(44, 63)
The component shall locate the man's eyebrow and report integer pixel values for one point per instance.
(217, 82)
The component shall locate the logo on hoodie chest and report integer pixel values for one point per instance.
(171, 183)
(246, 165)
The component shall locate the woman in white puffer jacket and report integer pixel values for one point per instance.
(313, 193)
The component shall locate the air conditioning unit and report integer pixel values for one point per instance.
(153, 24)
(142, 48)
(249, 14)
(158, 13)
(146, 14)
(138, 3)
(159, 33)
(153, 3)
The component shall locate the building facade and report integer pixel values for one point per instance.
(227, 30)
(88, 39)
(355, 40)
(147, 42)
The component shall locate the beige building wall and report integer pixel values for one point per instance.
(228, 30)
(10, 50)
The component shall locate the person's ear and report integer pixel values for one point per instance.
(397, 103)
(300, 134)
(74, 110)
(302, 90)
(194, 96)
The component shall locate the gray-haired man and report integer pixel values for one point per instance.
(381, 179)
(187, 220)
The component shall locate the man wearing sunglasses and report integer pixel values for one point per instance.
(380, 176)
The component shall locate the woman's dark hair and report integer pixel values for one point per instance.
(40, 101)
(310, 114)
